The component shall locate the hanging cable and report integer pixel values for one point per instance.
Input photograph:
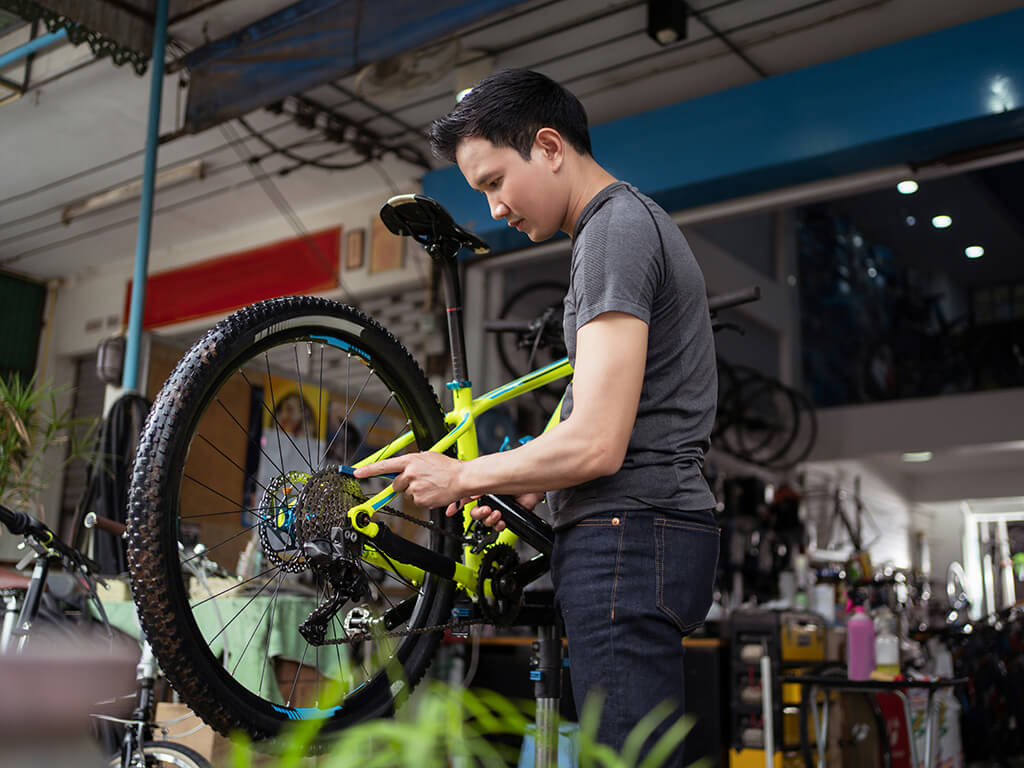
(286, 210)
(106, 491)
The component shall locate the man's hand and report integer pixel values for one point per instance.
(492, 517)
(429, 479)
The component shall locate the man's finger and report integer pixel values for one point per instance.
(395, 464)
(479, 513)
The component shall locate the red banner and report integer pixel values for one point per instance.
(216, 286)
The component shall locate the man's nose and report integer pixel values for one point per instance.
(498, 209)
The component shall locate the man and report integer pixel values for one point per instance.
(636, 543)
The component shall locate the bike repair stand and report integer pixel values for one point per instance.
(546, 673)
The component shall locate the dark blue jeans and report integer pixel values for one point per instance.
(630, 586)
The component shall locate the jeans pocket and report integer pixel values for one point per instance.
(686, 558)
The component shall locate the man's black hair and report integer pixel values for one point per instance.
(508, 108)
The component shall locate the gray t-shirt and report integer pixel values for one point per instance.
(629, 256)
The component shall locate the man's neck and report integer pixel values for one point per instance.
(591, 179)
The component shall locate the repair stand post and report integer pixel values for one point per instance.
(546, 673)
(130, 377)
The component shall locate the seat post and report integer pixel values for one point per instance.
(444, 253)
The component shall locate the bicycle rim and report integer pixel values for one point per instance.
(274, 397)
(167, 754)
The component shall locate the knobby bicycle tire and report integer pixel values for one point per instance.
(188, 480)
(167, 753)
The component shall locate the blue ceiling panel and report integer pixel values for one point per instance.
(311, 43)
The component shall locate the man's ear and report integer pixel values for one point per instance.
(551, 145)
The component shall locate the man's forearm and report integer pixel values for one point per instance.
(560, 458)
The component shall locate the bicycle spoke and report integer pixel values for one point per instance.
(302, 407)
(273, 407)
(233, 463)
(207, 550)
(234, 586)
(298, 671)
(266, 652)
(316, 659)
(242, 609)
(280, 428)
(201, 484)
(319, 403)
(380, 413)
(348, 409)
(273, 599)
(251, 441)
(253, 510)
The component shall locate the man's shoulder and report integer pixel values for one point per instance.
(622, 212)
(625, 201)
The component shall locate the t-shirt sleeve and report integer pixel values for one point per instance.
(619, 263)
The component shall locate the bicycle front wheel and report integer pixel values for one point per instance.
(276, 397)
(166, 754)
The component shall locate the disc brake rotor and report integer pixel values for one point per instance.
(277, 521)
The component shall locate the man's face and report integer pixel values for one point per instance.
(526, 194)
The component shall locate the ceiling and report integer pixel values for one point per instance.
(986, 209)
(80, 127)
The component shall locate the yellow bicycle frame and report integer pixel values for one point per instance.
(462, 433)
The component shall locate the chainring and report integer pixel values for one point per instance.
(498, 568)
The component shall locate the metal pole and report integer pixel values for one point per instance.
(31, 47)
(129, 381)
(547, 690)
(767, 710)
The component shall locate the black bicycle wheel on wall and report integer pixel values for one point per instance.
(274, 399)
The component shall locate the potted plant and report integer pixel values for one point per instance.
(31, 424)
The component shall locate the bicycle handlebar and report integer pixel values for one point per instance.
(507, 325)
(114, 528)
(22, 524)
(734, 298)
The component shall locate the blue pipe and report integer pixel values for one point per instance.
(31, 47)
(130, 378)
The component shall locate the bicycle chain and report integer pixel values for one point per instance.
(423, 523)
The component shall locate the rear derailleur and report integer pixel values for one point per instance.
(337, 561)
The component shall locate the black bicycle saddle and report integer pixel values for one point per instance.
(427, 222)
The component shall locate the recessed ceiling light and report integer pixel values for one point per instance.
(907, 187)
(917, 457)
(942, 221)
(911, 221)
(974, 251)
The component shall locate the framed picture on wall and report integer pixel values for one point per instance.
(354, 246)
(385, 249)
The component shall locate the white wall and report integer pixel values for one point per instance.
(98, 298)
